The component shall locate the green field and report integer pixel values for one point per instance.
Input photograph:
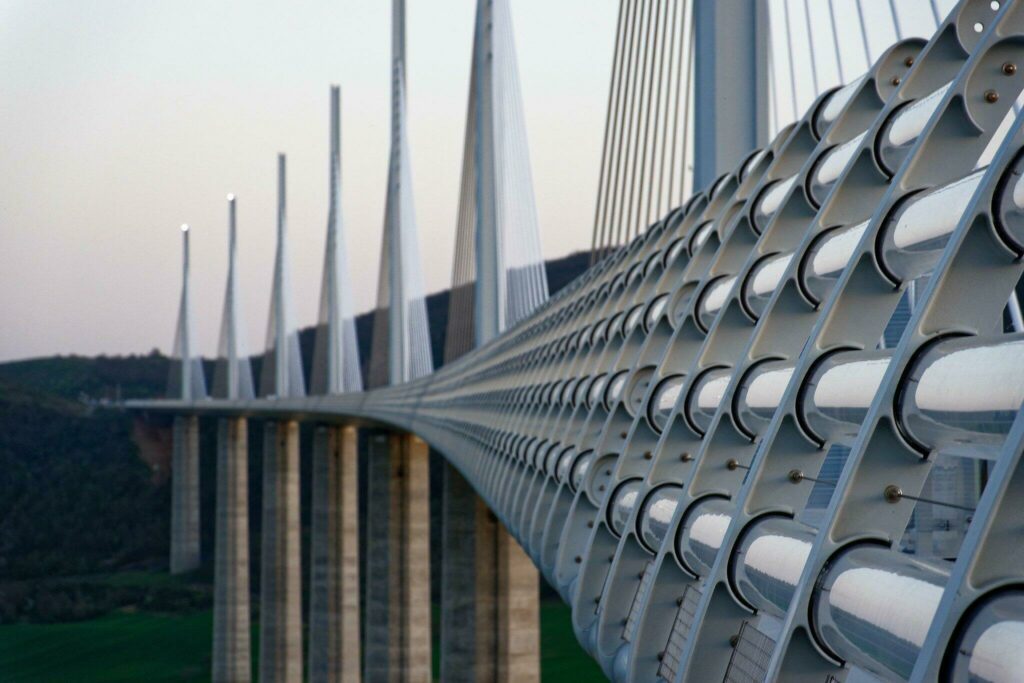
(152, 647)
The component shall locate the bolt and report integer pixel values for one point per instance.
(796, 476)
(1009, 68)
(732, 464)
(893, 493)
(601, 487)
(597, 600)
(733, 640)
(622, 435)
(909, 61)
(578, 559)
(590, 525)
(686, 457)
(991, 96)
(896, 80)
(647, 455)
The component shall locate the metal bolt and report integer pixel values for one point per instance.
(909, 61)
(991, 96)
(733, 640)
(647, 455)
(601, 487)
(1009, 68)
(732, 464)
(622, 435)
(590, 525)
(796, 476)
(893, 493)
(896, 80)
(578, 559)
(686, 457)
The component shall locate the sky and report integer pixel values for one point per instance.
(122, 119)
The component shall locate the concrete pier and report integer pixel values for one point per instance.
(185, 494)
(334, 643)
(232, 632)
(518, 612)
(281, 557)
(414, 477)
(489, 594)
(398, 631)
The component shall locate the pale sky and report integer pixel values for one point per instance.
(122, 119)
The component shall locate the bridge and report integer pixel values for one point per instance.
(773, 433)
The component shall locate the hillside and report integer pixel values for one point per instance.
(77, 499)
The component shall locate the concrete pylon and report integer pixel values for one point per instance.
(186, 382)
(334, 640)
(281, 561)
(185, 494)
(336, 353)
(489, 587)
(232, 630)
(401, 336)
(398, 630)
(281, 556)
(281, 374)
(490, 592)
(498, 276)
(232, 378)
(334, 645)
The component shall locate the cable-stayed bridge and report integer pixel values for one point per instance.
(773, 433)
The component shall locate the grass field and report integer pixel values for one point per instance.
(152, 647)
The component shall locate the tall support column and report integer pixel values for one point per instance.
(518, 612)
(490, 593)
(185, 495)
(334, 575)
(730, 85)
(413, 474)
(281, 561)
(232, 632)
(461, 616)
(398, 631)
(377, 657)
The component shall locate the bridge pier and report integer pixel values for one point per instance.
(489, 594)
(281, 559)
(398, 631)
(185, 494)
(232, 631)
(334, 642)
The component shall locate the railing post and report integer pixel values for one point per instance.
(232, 631)
(281, 557)
(185, 495)
(334, 574)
